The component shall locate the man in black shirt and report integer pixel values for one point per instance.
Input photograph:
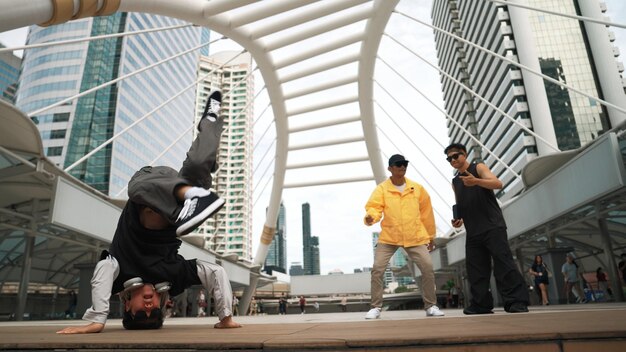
(486, 239)
(143, 265)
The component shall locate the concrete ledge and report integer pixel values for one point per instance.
(567, 328)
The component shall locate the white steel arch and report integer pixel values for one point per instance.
(243, 22)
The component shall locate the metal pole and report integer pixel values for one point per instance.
(616, 284)
(29, 246)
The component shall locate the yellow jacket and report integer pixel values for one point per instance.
(408, 216)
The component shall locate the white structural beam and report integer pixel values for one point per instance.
(604, 61)
(329, 182)
(319, 10)
(268, 9)
(323, 105)
(320, 67)
(322, 86)
(321, 49)
(327, 143)
(535, 89)
(24, 13)
(320, 28)
(215, 7)
(369, 48)
(334, 122)
(328, 162)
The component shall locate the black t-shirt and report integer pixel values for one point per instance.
(150, 254)
(622, 265)
(477, 206)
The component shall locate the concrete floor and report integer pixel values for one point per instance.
(570, 328)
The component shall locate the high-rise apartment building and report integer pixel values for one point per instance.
(9, 74)
(230, 230)
(73, 129)
(561, 48)
(310, 244)
(277, 253)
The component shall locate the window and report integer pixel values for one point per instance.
(57, 134)
(54, 151)
(63, 117)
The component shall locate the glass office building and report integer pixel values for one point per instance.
(310, 244)
(277, 253)
(564, 55)
(230, 230)
(72, 130)
(560, 49)
(9, 74)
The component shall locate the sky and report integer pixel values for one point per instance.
(337, 210)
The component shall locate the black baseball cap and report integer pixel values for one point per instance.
(396, 158)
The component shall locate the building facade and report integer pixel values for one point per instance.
(310, 244)
(296, 269)
(73, 129)
(230, 230)
(559, 47)
(9, 74)
(277, 253)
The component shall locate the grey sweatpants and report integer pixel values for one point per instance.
(214, 279)
(154, 186)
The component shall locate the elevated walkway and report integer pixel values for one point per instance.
(565, 328)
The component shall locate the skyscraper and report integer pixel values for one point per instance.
(71, 130)
(230, 231)
(561, 48)
(9, 74)
(277, 253)
(296, 269)
(310, 244)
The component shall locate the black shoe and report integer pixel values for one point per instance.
(518, 307)
(471, 310)
(212, 107)
(195, 211)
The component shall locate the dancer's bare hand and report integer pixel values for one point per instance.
(85, 329)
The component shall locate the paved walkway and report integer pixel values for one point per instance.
(570, 328)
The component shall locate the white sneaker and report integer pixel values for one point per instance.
(374, 313)
(434, 311)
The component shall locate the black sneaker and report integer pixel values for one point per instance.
(212, 106)
(518, 307)
(471, 310)
(195, 211)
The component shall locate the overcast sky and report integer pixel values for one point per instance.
(337, 210)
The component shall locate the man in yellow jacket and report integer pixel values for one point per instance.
(407, 221)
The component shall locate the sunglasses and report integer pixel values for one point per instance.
(454, 156)
(401, 163)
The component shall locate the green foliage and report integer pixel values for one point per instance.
(401, 289)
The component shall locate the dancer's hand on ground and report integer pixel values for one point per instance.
(85, 329)
(227, 323)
